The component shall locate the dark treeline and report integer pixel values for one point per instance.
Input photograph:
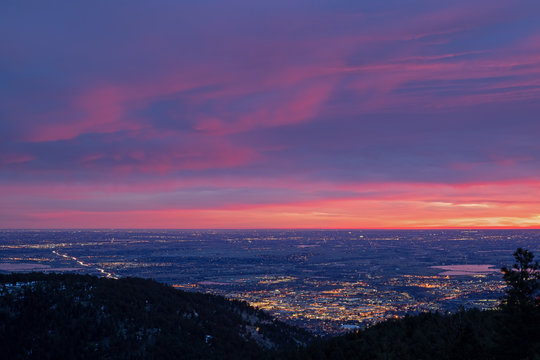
(67, 316)
(467, 334)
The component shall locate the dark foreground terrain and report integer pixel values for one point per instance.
(67, 316)
(471, 334)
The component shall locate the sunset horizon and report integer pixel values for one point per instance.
(270, 115)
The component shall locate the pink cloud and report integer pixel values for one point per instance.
(324, 214)
(387, 205)
(10, 159)
(194, 111)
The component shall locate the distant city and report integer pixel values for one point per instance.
(327, 281)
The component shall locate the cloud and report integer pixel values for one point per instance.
(277, 108)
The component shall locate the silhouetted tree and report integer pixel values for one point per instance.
(523, 282)
(518, 330)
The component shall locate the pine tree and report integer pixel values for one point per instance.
(523, 280)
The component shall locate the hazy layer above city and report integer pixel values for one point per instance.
(325, 280)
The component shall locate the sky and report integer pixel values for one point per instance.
(270, 114)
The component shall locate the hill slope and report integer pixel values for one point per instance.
(85, 317)
(471, 334)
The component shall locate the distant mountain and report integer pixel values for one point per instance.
(67, 316)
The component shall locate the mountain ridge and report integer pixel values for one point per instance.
(46, 316)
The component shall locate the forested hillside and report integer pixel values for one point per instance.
(471, 334)
(66, 316)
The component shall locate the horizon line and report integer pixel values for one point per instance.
(277, 229)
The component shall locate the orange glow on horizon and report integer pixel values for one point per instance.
(385, 206)
(333, 215)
